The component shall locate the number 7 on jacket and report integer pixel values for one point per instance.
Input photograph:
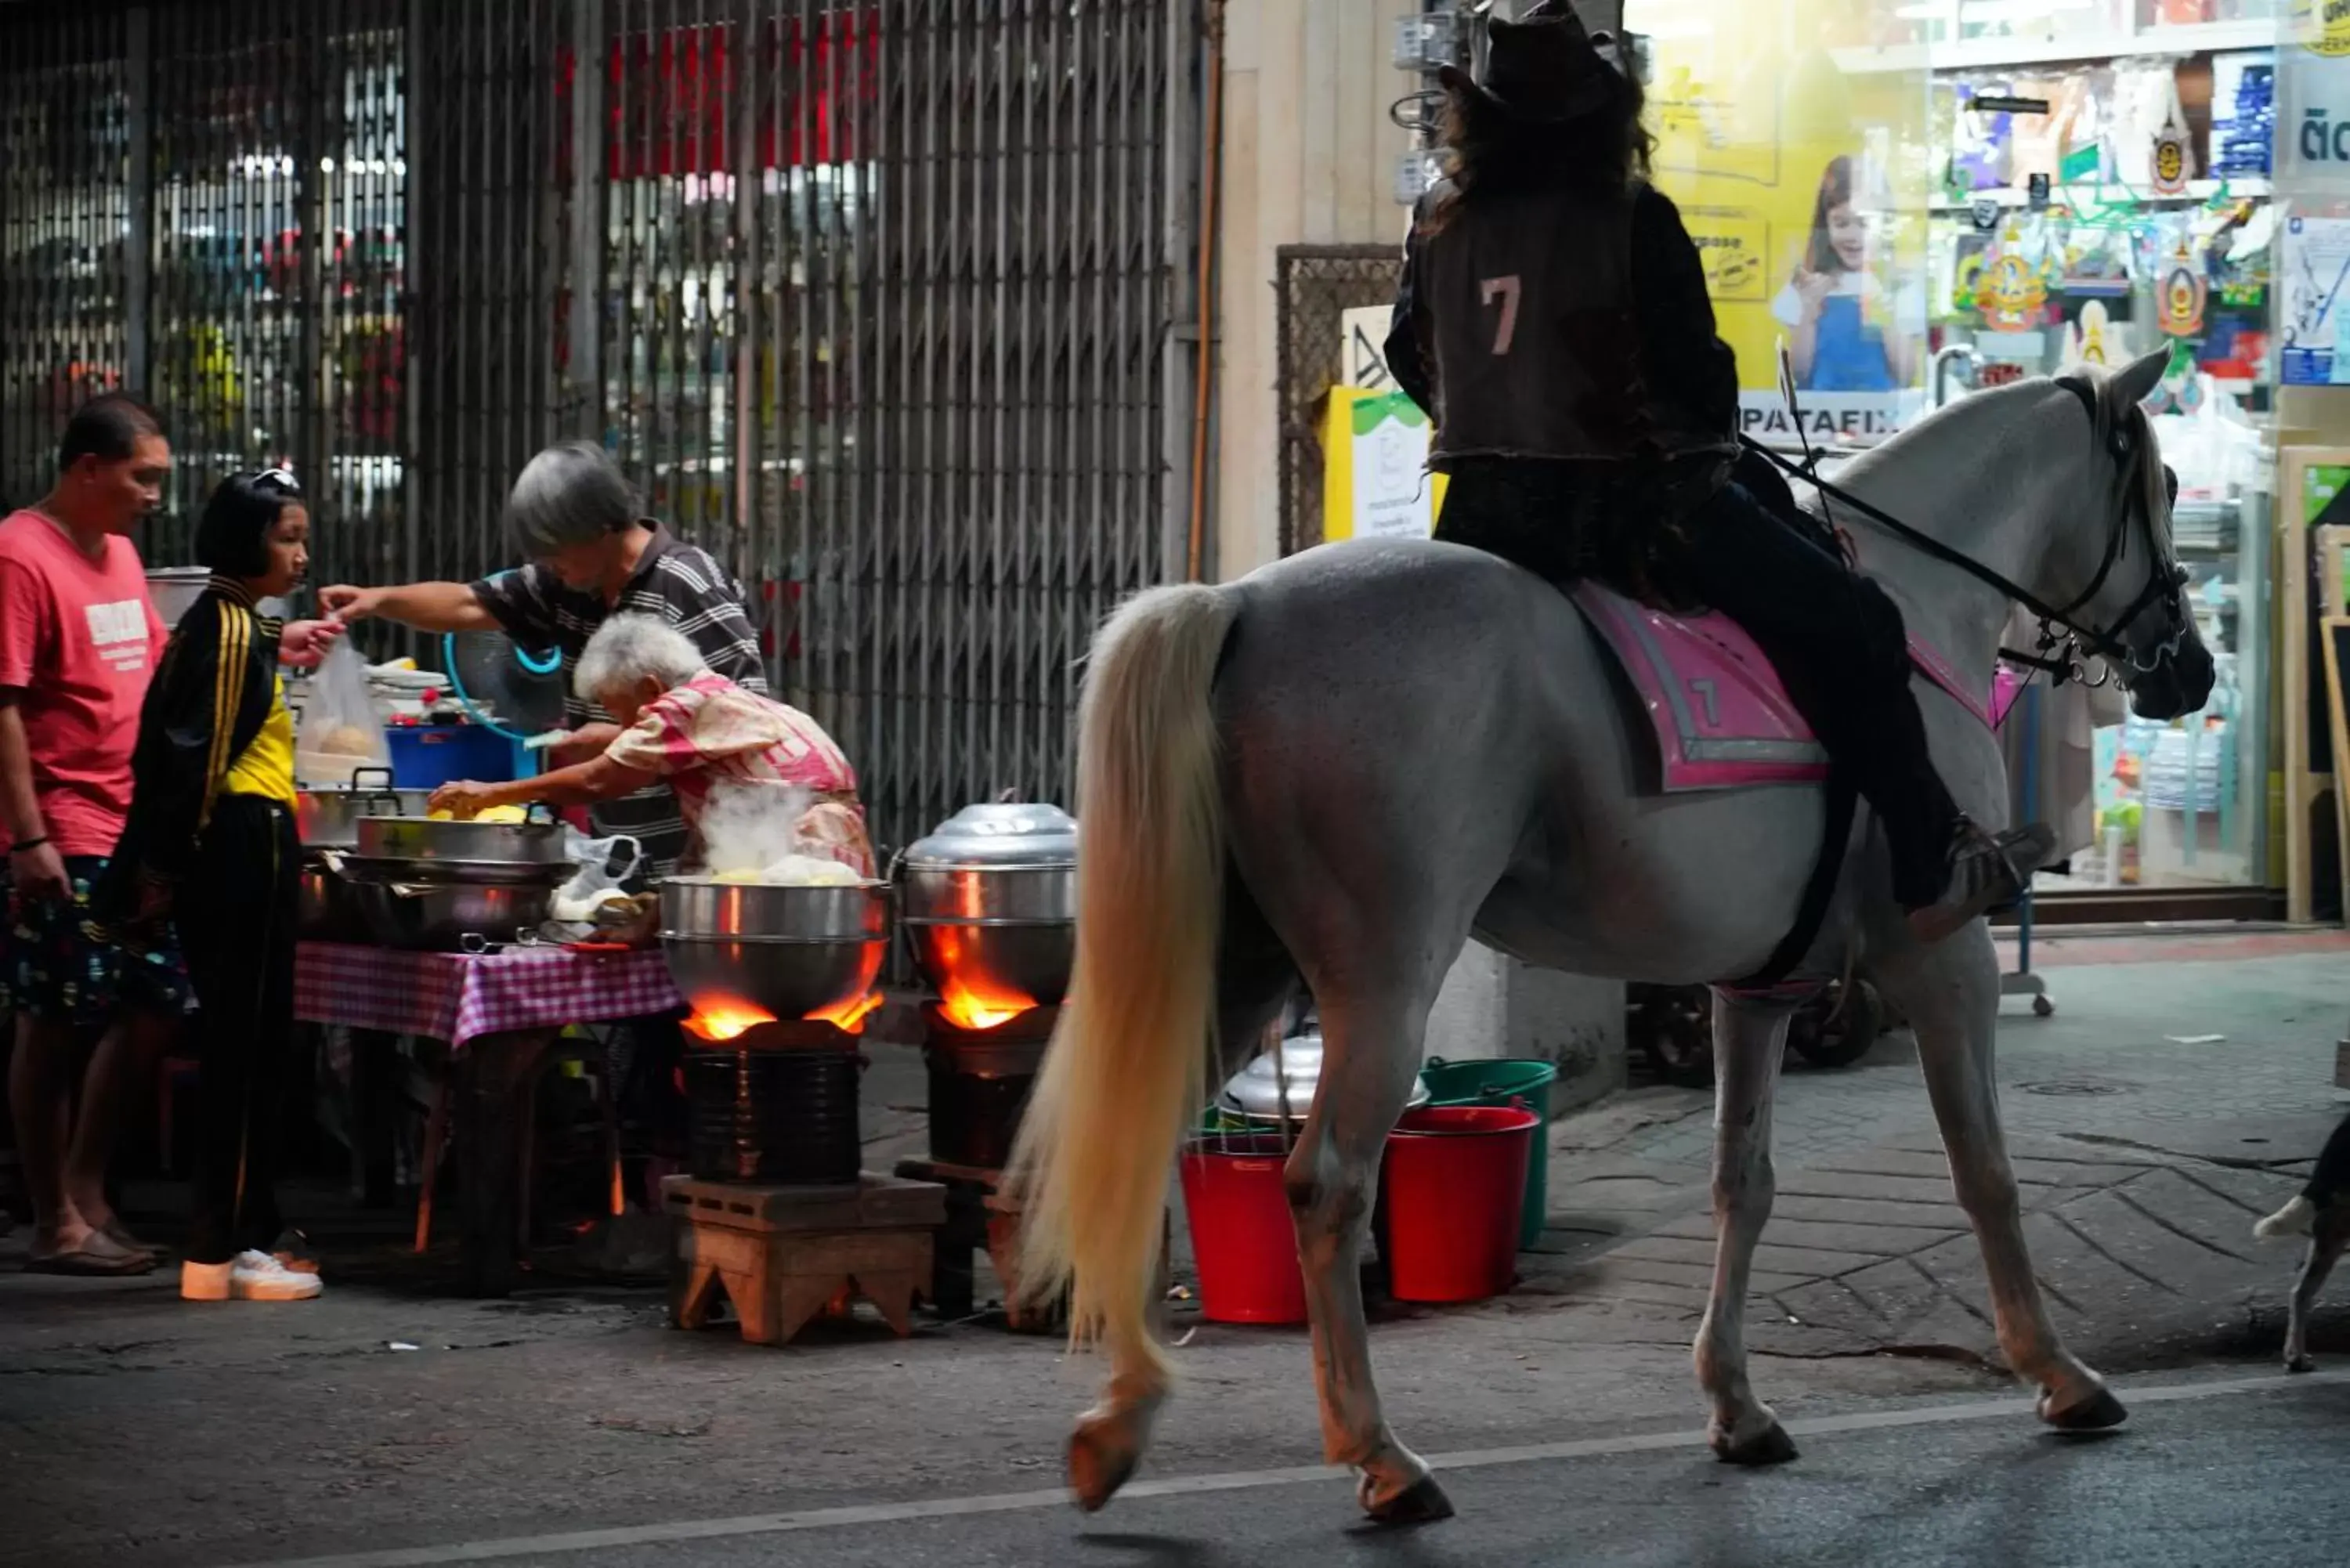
(1506, 290)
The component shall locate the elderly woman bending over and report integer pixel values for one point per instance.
(708, 738)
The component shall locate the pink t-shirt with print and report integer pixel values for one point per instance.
(78, 643)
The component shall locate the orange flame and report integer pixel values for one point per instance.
(979, 1008)
(719, 1019)
(849, 1016)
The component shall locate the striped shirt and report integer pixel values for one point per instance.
(687, 589)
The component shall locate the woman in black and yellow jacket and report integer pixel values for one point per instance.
(210, 845)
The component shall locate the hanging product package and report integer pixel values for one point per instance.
(341, 730)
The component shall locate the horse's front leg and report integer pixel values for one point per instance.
(1950, 994)
(1748, 1038)
(1371, 1055)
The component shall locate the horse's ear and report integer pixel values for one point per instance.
(2136, 380)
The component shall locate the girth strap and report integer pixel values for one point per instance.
(1818, 893)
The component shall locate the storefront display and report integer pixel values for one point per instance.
(1923, 200)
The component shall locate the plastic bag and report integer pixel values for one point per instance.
(596, 883)
(340, 728)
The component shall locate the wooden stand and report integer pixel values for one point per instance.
(978, 1218)
(784, 1253)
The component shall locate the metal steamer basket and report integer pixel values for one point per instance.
(473, 844)
(989, 901)
(793, 952)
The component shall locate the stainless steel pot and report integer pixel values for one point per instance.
(990, 900)
(328, 815)
(327, 912)
(791, 951)
(422, 838)
(1255, 1093)
(451, 915)
(486, 873)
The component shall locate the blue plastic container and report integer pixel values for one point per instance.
(426, 755)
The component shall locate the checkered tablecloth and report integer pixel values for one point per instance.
(456, 996)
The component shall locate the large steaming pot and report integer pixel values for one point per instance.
(794, 951)
(990, 900)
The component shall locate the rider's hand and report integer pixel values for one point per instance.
(40, 873)
(305, 642)
(345, 603)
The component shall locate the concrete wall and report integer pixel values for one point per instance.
(1309, 157)
(1493, 1006)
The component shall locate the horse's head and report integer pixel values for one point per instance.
(2117, 579)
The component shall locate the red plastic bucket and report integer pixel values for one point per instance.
(1242, 1235)
(1455, 1180)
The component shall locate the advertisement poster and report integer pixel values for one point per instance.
(1374, 478)
(2313, 318)
(1805, 191)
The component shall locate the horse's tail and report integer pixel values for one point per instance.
(1128, 1063)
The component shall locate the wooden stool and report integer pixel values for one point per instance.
(784, 1253)
(979, 1217)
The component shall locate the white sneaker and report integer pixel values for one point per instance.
(251, 1277)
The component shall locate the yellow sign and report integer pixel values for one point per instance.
(1375, 482)
(2331, 37)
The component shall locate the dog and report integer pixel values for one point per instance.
(2321, 1213)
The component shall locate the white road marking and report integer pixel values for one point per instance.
(1239, 1480)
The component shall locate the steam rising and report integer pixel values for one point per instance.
(747, 827)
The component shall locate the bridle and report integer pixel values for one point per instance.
(2064, 645)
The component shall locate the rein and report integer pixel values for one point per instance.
(2060, 657)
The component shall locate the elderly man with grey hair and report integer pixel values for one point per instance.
(591, 554)
(707, 737)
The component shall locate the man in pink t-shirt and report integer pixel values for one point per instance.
(78, 642)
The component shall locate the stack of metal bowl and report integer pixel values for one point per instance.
(990, 903)
(790, 951)
(327, 818)
(451, 886)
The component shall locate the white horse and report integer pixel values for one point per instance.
(1339, 769)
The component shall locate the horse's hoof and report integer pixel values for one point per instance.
(1422, 1502)
(1095, 1472)
(2300, 1364)
(2100, 1412)
(1772, 1447)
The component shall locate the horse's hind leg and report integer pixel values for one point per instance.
(1371, 1054)
(1951, 995)
(1748, 1040)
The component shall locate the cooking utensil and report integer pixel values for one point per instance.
(327, 912)
(790, 951)
(483, 873)
(422, 838)
(449, 917)
(990, 900)
(327, 814)
(1254, 1092)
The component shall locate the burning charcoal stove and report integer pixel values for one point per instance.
(777, 1103)
(980, 1081)
(779, 979)
(989, 906)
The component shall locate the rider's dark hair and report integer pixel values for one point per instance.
(1489, 151)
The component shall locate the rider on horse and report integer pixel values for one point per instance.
(1553, 320)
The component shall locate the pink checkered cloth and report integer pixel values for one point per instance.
(456, 996)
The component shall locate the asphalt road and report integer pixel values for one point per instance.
(2211, 1473)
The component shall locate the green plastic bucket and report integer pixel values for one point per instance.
(1498, 1083)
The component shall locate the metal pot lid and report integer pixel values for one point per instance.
(1007, 836)
(1255, 1092)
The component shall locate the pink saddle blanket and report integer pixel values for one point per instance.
(1723, 719)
